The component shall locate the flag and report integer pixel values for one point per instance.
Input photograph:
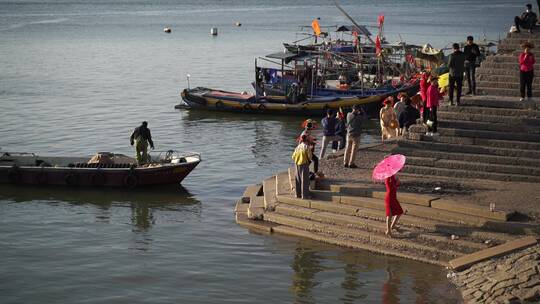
(378, 48)
(380, 20)
(355, 40)
(315, 26)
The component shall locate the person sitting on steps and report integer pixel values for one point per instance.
(527, 20)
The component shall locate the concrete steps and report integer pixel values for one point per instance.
(466, 165)
(496, 135)
(444, 114)
(463, 245)
(473, 149)
(469, 157)
(501, 113)
(496, 102)
(482, 70)
(496, 143)
(433, 171)
(502, 91)
(486, 126)
(514, 78)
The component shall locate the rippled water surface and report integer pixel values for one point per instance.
(77, 76)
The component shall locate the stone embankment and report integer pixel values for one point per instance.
(514, 278)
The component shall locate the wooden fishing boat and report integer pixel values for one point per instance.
(107, 170)
(218, 100)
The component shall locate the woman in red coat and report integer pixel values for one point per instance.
(391, 204)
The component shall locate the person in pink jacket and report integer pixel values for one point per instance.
(433, 97)
(424, 85)
(526, 70)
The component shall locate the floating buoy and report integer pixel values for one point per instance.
(167, 30)
(213, 31)
(238, 23)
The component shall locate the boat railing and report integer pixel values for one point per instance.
(173, 156)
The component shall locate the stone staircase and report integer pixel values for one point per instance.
(499, 74)
(435, 230)
(486, 137)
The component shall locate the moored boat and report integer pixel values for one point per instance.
(218, 100)
(102, 170)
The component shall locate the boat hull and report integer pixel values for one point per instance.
(215, 100)
(97, 176)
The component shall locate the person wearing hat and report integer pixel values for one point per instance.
(526, 70)
(302, 157)
(388, 119)
(456, 65)
(527, 20)
(141, 137)
(354, 129)
(308, 126)
(399, 107)
(472, 51)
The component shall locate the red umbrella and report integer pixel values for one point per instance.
(388, 167)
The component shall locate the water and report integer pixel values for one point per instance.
(77, 77)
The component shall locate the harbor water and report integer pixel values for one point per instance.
(77, 77)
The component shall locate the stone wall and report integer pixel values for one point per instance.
(514, 278)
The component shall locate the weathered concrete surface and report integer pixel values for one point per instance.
(482, 255)
(253, 190)
(256, 207)
(514, 278)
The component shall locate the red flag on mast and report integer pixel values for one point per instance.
(380, 20)
(378, 48)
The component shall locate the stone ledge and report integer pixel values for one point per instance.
(482, 255)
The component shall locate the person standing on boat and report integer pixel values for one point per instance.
(472, 51)
(141, 137)
(329, 124)
(456, 64)
(354, 128)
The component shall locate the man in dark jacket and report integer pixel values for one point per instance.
(472, 51)
(456, 64)
(141, 137)
(527, 20)
(409, 115)
(329, 124)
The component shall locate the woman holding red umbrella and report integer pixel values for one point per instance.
(386, 170)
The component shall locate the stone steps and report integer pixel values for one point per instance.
(270, 193)
(502, 113)
(482, 70)
(426, 200)
(468, 157)
(427, 171)
(502, 92)
(415, 210)
(255, 210)
(405, 240)
(503, 85)
(330, 239)
(496, 102)
(514, 78)
(450, 148)
(524, 35)
(486, 126)
(469, 166)
(501, 65)
(444, 114)
(462, 140)
(374, 236)
(335, 211)
(465, 244)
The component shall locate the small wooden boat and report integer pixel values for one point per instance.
(111, 170)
